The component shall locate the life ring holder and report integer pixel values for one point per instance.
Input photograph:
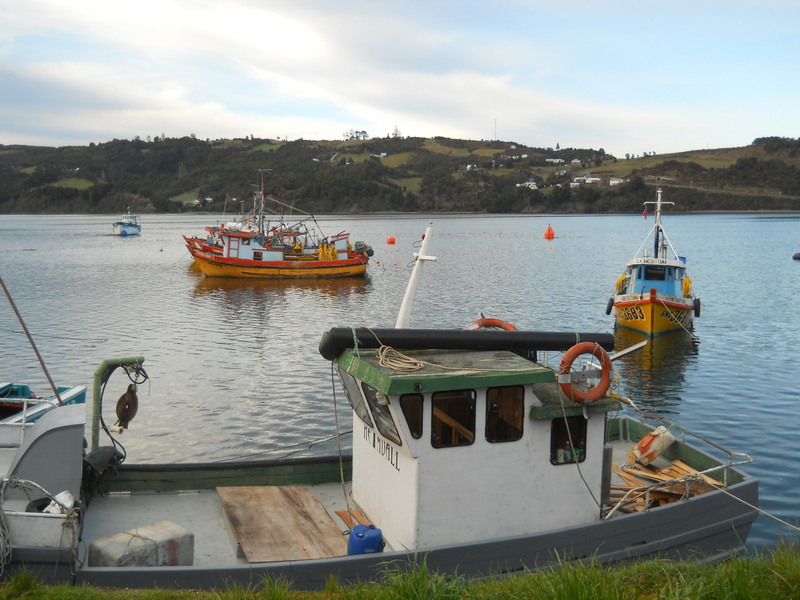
(564, 380)
(485, 323)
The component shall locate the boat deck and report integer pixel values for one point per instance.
(254, 524)
(236, 525)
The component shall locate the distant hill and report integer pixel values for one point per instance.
(392, 174)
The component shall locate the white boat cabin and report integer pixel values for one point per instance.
(474, 445)
(238, 242)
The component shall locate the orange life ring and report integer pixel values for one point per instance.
(605, 372)
(484, 323)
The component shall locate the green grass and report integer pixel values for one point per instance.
(267, 147)
(411, 184)
(185, 198)
(396, 160)
(354, 158)
(488, 152)
(434, 146)
(773, 575)
(74, 183)
(719, 158)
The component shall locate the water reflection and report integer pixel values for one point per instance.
(653, 377)
(322, 288)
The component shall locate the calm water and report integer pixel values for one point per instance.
(234, 365)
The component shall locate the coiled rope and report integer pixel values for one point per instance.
(397, 361)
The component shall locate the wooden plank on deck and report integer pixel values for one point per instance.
(353, 518)
(275, 523)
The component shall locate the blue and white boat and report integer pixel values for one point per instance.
(654, 295)
(128, 224)
(20, 405)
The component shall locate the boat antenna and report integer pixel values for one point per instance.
(262, 196)
(292, 208)
(411, 289)
(659, 248)
(33, 344)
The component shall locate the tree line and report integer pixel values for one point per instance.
(391, 174)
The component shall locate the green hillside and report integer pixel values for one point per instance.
(392, 174)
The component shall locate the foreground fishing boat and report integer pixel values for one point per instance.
(469, 451)
(654, 295)
(466, 450)
(253, 247)
(127, 224)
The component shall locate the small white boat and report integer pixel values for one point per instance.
(127, 224)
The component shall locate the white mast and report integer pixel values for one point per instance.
(411, 290)
(659, 245)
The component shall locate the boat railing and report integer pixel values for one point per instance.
(733, 458)
(648, 490)
(12, 429)
(28, 402)
(709, 475)
(31, 409)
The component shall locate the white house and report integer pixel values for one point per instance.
(531, 185)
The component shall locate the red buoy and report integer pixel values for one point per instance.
(390, 240)
(548, 234)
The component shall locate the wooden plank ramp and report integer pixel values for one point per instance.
(353, 518)
(276, 523)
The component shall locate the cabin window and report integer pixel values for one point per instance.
(453, 418)
(245, 241)
(504, 410)
(350, 386)
(411, 405)
(379, 406)
(568, 440)
(257, 255)
(655, 273)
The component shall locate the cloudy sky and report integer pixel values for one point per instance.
(625, 76)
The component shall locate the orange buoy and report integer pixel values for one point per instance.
(548, 233)
(390, 240)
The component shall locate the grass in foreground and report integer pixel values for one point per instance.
(768, 576)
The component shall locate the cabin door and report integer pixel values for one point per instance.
(233, 247)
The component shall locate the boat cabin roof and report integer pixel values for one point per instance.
(444, 370)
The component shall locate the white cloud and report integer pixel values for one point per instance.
(622, 80)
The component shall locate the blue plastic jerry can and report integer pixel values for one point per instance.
(365, 539)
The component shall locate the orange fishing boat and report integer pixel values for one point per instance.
(255, 247)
